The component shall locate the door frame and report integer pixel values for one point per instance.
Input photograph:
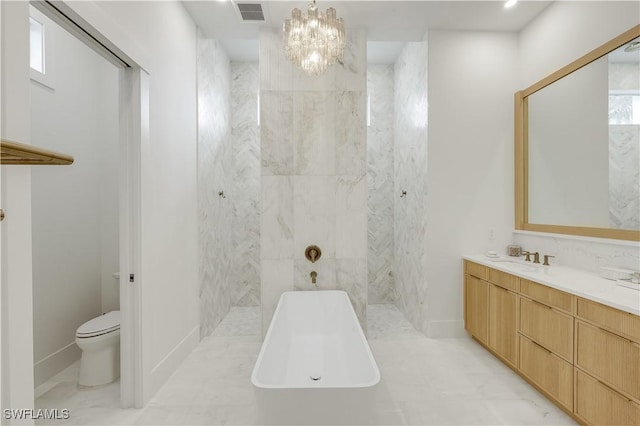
(96, 29)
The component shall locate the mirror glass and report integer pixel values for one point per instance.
(583, 145)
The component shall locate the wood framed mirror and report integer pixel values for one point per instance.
(577, 146)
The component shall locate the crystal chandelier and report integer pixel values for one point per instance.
(315, 41)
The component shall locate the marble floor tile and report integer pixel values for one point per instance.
(386, 321)
(240, 321)
(97, 406)
(424, 382)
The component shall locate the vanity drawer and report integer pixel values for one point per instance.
(475, 269)
(551, 373)
(598, 404)
(548, 296)
(612, 319)
(548, 327)
(608, 357)
(502, 279)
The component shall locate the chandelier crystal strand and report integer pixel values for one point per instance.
(314, 41)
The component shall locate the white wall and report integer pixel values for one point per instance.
(16, 286)
(562, 33)
(74, 208)
(566, 30)
(471, 79)
(108, 189)
(162, 37)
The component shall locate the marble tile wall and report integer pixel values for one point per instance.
(624, 152)
(313, 146)
(215, 174)
(380, 81)
(623, 76)
(410, 175)
(582, 253)
(624, 176)
(244, 194)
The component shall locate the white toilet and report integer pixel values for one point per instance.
(99, 340)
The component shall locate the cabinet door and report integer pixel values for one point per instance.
(502, 323)
(598, 404)
(608, 357)
(548, 327)
(548, 296)
(547, 370)
(475, 269)
(502, 279)
(622, 323)
(476, 308)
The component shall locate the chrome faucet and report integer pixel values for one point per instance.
(313, 274)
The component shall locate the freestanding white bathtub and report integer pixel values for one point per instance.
(315, 366)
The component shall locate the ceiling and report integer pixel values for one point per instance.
(388, 24)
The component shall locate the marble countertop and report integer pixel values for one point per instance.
(580, 283)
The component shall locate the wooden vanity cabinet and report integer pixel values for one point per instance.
(598, 404)
(607, 365)
(547, 327)
(547, 370)
(476, 308)
(585, 356)
(622, 323)
(491, 310)
(546, 340)
(503, 337)
(609, 358)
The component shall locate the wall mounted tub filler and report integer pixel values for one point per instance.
(312, 253)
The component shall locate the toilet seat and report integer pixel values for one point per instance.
(98, 326)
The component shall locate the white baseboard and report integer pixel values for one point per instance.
(54, 363)
(446, 329)
(165, 368)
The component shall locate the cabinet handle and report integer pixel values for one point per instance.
(541, 304)
(617, 392)
(611, 333)
(542, 347)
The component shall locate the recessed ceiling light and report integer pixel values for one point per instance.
(510, 3)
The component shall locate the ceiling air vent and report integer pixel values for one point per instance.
(251, 12)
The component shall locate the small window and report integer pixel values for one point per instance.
(36, 45)
(41, 36)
